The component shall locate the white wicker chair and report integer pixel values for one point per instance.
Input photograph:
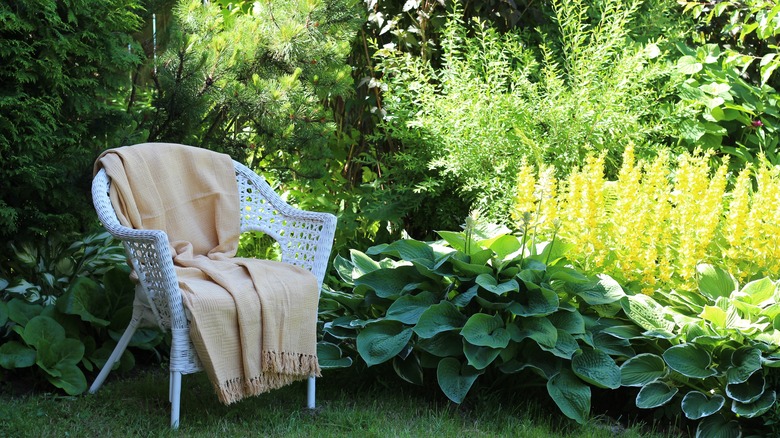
(305, 239)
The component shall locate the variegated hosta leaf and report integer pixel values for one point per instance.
(697, 405)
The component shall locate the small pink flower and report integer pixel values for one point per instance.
(757, 123)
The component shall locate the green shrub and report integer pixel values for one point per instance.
(62, 69)
(63, 307)
(480, 302)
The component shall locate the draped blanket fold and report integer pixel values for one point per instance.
(253, 322)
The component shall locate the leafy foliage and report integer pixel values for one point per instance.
(495, 100)
(63, 66)
(63, 309)
(720, 345)
(479, 302)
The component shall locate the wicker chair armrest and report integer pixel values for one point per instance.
(149, 254)
(305, 237)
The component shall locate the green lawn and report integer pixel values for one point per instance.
(137, 406)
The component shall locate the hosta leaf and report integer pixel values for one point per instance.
(408, 308)
(540, 330)
(486, 331)
(715, 426)
(688, 65)
(538, 302)
(624, 331)
(455, 380)
(21, 312)
(362, 263)
(689, 360)
(759, 291)
(479, 357)
(3, 312)
(596, 368)
(15, 355)
(380, 341)
(490, 284)
(405, 249)
(570, 322)
(464, 298)
(391, 282)
(329, 356)
(642, 369)
(504, 245)
(469, 269)
(715, 315)
(345, 269)
(714, 282)
(748, 391)
(604, 290)
(654, 394)
(647, 313)
(83, 298)
(745, 361)
(457, 240)
(565, 345)
(757, 408)
(612, 345)
(571, 395)
(439, 318)
(409, 369)
(443, 344)
(697, 405)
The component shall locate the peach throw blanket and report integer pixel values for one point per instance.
(253, 321)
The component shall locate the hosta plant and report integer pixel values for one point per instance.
(479, 302)
(718, 346)
(63, 307)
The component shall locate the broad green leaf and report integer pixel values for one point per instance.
(688, 65)
(504, 245)
(464, 298)
(568, 275)
(485, 331)
(443, 344)
(571, 395)
(689, 360)
(362, 263)
(42, 332)
(646, 313)
(53, 358)
(391, 282)
(439, 318)
(457, 240)
(84, 298)
(745, 361)
(540, 330)
(596, 368)
(715, 88)
(408, 308)
(381, 340)
(346, 270)
(409, 369)
(642, 369)
(490, 284)
(714, 282)
(469, 269)
(406, 249)
(15, 355)
(538, 302)
(654, 394)
(612, 345)
(715, 426)
(329, 356)
(3, 312)
(21, 312)
(455, 380)
(696, 405)
(479, 356)
(715, 315)
(565, 345)
(69, 378)
(604, 290)
(748, 391)
(570, 322)
(624, 331)
(757, 408)
(759, 290)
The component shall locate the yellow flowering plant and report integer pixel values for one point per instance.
(652, 226)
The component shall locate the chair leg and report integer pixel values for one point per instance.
(175, 398)
(116, 354)
(310, 392)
